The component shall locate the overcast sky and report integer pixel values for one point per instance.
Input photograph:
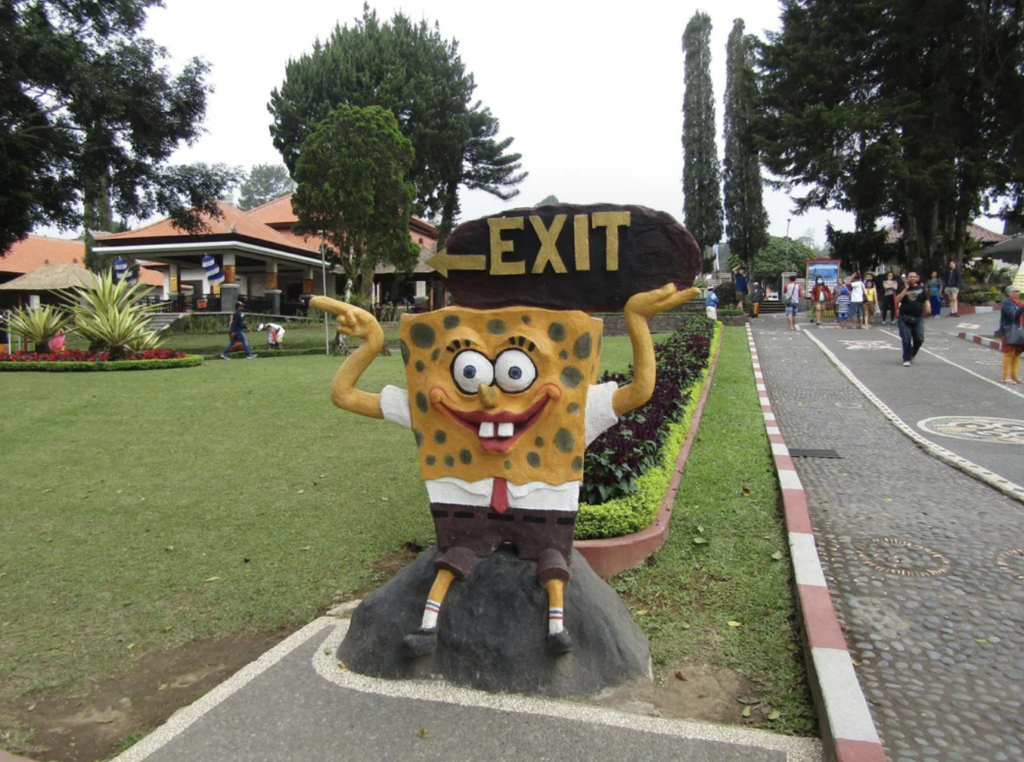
(591, 91)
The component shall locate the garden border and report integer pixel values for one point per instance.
(188, 361)
(847, 727)
(610, 556)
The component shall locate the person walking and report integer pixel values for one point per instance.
(935, 293)
(711, 304)
(912, 303)
(1010, 314)
(953, 286)
(741, 285)
(857, 299)
(236, 332)
(756, 297)
(820, 296)
(870, 299)
(791, 297)
(889, 288)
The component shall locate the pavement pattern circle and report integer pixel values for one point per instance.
(1012, 562)
(975, 428)
(894, 556)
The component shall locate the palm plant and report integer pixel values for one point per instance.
(111, 316)
(38, 325)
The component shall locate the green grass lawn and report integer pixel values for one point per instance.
(144, 510)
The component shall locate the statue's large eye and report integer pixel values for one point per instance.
(470, 369)
(515, 371)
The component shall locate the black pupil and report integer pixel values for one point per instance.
(515, 373)
(469, 371)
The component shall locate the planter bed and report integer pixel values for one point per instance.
(77, 361)
(623, 516)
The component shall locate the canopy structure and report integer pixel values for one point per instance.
(57, 277)
(1008, 250)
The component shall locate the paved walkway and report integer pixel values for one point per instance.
(925, 562)
(297, 703)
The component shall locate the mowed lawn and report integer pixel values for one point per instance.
(144, 510)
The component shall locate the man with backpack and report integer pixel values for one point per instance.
(791, 298)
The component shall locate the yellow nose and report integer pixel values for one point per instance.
(488, 395)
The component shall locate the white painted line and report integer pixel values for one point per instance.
(185, 717)
(806, 564)
(847, 709)
(789, 480)
(326, 666)
(773, 430)
(1002, 484)
(779, 449)
(994, 383)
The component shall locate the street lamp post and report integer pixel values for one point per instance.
(323, 275)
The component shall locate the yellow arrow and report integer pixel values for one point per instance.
(443, 262)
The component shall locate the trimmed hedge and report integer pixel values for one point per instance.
(189, 361)
(271, 353)
(632, 513)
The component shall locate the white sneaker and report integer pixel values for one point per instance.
(906, 364)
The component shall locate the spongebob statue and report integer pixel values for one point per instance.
(503, 400)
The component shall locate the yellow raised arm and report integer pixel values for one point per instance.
(353, 321)
(637, 310)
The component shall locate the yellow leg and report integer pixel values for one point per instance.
(440, 587)
(1008, 359)
(1016, 366)
(556, 605)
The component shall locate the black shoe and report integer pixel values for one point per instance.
(559, 642)
(420, 643)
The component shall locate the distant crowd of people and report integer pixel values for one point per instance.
(904, 300)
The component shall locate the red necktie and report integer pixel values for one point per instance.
(499, 495)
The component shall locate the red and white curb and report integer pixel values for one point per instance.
(985, 341)
(848, 730)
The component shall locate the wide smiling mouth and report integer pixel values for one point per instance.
(499, 431)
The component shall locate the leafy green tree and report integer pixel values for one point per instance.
(89, 117)
(778, 255)
(264, 183)
(352, 185)
(741, 176)
(411, 70)
(702, 194)
(885, 110)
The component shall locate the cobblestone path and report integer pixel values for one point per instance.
(925, 565)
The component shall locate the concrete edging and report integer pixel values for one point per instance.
(617, 554)
(984, 341)
(847, 728)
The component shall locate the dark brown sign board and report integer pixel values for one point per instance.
(565, 256)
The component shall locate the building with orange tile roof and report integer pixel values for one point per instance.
(266, 265)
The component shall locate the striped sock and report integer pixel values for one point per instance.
(430, 612)
(555, 620)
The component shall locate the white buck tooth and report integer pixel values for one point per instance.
(506, 429)
(486, 430)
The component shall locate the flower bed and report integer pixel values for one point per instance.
(77, 360)
(629, 467)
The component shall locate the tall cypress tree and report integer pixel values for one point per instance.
(702, 195)
(741, 176)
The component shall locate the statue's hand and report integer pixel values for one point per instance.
(651, 303)
(352, 320)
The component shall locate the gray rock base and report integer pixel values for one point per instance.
(492, 630)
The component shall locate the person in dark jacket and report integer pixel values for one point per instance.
(1010, 313)
(756, 297)
(953, 286)
(236, 332)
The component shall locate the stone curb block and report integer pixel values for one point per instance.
(983, 340)
(617, 554)
(848, 731)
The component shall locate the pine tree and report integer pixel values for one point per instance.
(741, 177)
(702, 197)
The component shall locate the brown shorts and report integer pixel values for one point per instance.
(466, 533)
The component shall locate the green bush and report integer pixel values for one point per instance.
(981, 296)
(271, 353)
(727, 294)
(80, 367)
